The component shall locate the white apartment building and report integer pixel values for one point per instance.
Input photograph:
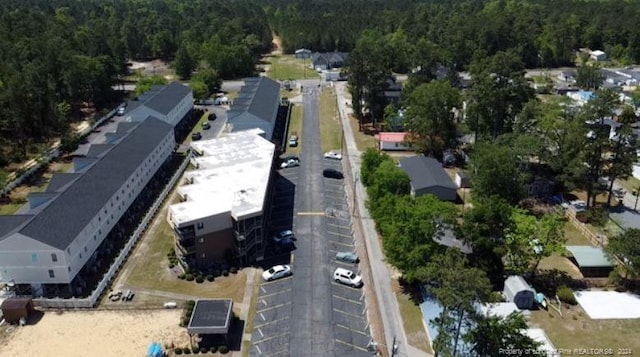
(67, 223)
(168, 103)
(222, 215)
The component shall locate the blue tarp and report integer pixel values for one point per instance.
(155, 350)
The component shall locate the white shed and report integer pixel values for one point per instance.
(598, 55)
(518, 291)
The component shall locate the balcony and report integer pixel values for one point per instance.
(186, 233)
(186, 250)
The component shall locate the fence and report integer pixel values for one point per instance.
(90, 301)
(48, 156)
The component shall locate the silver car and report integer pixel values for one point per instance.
(347, 257)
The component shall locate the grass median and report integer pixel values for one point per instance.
(330, 124)
(295, 128)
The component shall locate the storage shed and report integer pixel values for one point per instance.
(463, 180)
(592, 261)
(517, 290)
(16, 308)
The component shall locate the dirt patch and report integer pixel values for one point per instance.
(107, 333)
(152, 68)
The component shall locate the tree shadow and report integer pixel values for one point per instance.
(412, 289)
(548, 281)
(233, 339)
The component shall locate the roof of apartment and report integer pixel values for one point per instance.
(391, 137)
(426, 172)
(257, 102)
(232, 176)
(73, 208)
(164, 98)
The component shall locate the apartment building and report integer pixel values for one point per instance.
(256, 106)
(223, 215)
(63, 232)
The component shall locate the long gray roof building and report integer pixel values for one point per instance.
(256, 106)
(78, 197)
(429, 177)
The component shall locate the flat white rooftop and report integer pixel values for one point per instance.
(231, 176)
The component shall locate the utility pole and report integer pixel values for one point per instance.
(394, 347)
(635, 207)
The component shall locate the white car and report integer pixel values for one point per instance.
(332, 155)
(277, 272)
(347, 277)
(290, 163)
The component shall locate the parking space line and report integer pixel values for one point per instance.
(338, 225)
(340, 234)
(259, 350)
(348, 314)
(270, 338)
(262, 288)
(274, 307)
(260, 332)
(345, 299)
(279, 353)
(276, 293)
(352, 330)
(276, 281)
(310, 213)
(344, 244)
(262, 316)
(264, 302)
(271, 322)
(351, 345)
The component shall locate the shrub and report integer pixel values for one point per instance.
(191, 303)
(203, 350)
(225, 272)
(223, 349)
(213, 349)
(210, 277)
(195, 350)
(233, 270)
(177, 350)
(565, 294)
(598, 216)
(186, 350)
(181, 276)
(171, 265)
(189, 277)
(199, 279)
(217, 273)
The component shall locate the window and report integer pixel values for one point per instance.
(80, 256)
(54, 257)
(201, 240)
(34, 257)
(68, 250)
(51, 274)
(69, 269)
(85, 249)
(203, 256)
(200, 225)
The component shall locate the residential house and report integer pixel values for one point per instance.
(327, 60)
(303, 53)
(392, 141)
(224, 211)
(429, 177)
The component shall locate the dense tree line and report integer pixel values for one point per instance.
(542, 32)
(60, 57)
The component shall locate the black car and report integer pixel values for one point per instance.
(196, 136)
(206, 126)
(331, 173)
(212, 116)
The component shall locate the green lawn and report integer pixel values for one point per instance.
(412, 320)
(287, 67)
(152, 271)
(295, 126)
(198, 127)
(330, 124)
(577, 330)
(10, 208)
(631, 184)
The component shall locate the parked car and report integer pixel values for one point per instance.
(290, 157)
(206, 126)
(290, 163)
(196, 136)
(122, 109)
(347, 257)
(284, 236)
(212, 116)
(347, 277)
(293, 140)
(277, 272)
(332, 155)
(332, 173)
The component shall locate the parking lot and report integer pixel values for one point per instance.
(272, 334)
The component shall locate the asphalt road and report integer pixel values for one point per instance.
(308, 314)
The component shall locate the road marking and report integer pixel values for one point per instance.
(276, 281)
(271, 322)
(293, 259)
(271, 338)
(259, 350)
(348, 314)
(279, 353)
(338, 225)
(352, 330)
(346, 299)
(311, 213)
(340, 235)
(279, 292)
(352, 345)
(263, 318)
(264, 302)
(260, 332)
(274, 307)
(263, 290)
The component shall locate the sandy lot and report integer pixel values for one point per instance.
(106, 333)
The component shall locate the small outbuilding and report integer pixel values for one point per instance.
(391, 141)
(303, 53)
(598, 55)
(463, 180)
(16, 308)
(429, 177)
(592, 261)
(211, 317)
(518, 291)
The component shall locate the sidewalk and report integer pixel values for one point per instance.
(388, 304)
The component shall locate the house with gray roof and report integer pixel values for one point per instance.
(256, 106)
(326, 60)
(429, 177)
(65, 226)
